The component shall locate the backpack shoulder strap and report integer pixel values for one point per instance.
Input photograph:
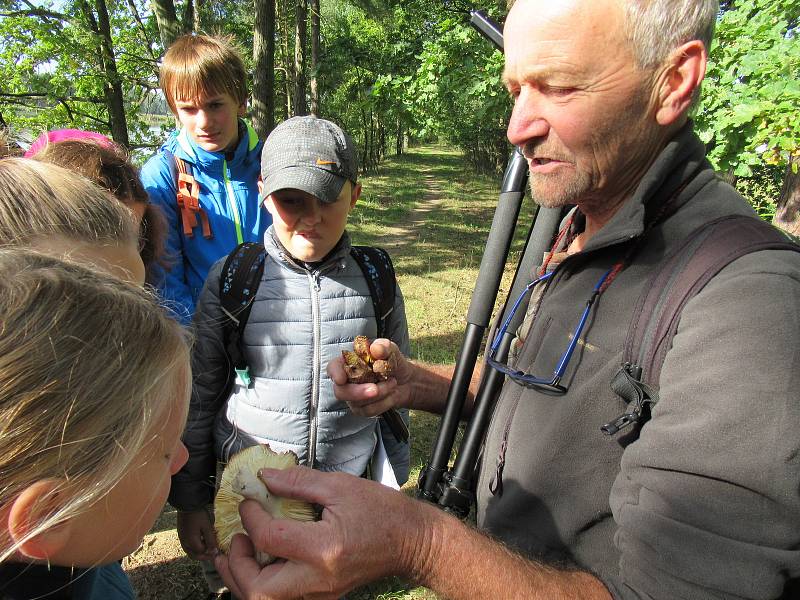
(187, 196)
(704, 253)
(378, 270)
(238, 284)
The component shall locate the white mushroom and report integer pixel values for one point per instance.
(240, 480)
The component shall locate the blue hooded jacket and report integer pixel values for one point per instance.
(228, 195)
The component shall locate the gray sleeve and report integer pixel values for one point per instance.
(707, 501)
(193, 485)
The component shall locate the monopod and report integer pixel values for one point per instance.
(453, 489)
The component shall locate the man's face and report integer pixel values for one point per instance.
(580, 112)
(211, 121)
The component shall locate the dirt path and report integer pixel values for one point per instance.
(159, 569)
(405, 233)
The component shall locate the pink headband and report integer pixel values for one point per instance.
(63, 135)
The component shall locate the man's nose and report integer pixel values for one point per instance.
(527, 121)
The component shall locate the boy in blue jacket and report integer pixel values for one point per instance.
(205, 176)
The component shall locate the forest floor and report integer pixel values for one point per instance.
(433, 216)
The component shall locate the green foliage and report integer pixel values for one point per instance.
(51, 70)
(749, 115)
(459, 96)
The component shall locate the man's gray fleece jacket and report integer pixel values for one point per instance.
(705, 504)
(301, 319)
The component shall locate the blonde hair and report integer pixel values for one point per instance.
(85, 364)
(108, 165)
(42, 200)
(200, 65)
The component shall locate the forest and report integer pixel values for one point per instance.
(393, 72)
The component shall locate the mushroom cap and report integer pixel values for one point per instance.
(240, 481)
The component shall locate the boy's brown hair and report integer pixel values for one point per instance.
(200, 65)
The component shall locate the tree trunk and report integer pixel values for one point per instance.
(167, 20)
(112, 86)
(197, 26)
(314, 85)
(264, 68)
(300, 17)
(787, 215)
(287, 61)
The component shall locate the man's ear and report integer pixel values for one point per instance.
(355, 194)
(243, 108)
(32, 506)
(679, 80)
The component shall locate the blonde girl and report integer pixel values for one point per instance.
(94, 385)
(107, 164)
(48, 208)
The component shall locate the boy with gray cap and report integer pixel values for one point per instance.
(311, 302)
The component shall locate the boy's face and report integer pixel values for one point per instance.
(211, 121)
(307, 227)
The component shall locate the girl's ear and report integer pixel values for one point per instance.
(243, 109)
(32, 506)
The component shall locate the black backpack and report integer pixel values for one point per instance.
(704, 253)
(238, 284)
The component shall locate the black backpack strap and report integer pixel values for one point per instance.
(238, 284)
(704, 253)
(378, 270)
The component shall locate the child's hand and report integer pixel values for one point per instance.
(373, 399)
(196, 533)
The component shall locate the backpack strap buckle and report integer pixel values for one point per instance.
(188, 198)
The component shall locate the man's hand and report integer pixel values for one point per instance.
(367, 531)
(196, 533)
(373, 399)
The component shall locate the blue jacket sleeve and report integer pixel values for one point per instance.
(159, 181)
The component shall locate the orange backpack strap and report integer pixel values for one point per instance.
(188, 198)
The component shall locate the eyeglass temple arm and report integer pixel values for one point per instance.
(562, 365)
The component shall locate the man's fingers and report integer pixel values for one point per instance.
(239, 567)
(373, 409)
(283, 538)
(336, 371)
(302, 483)
(381, 348)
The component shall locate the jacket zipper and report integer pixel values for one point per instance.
(232, 202)
(313, 417)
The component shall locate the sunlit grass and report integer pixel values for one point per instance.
(437, 267)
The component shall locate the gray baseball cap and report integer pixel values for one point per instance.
(308, 154)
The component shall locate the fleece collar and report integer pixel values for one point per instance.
(681, 160)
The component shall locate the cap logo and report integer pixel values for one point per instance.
(325, 162)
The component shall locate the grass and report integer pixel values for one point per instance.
(437, 265)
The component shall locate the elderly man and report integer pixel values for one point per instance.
(706, 502)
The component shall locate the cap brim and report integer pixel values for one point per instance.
(319, 183)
